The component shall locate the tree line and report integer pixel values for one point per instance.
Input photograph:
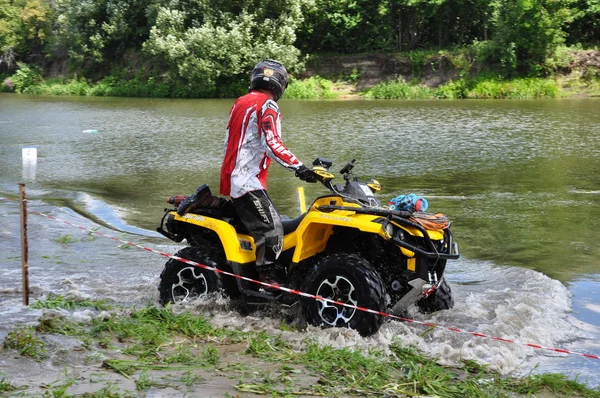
(206, 44)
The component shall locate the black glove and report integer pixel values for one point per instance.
(306, 174)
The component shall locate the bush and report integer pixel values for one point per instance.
(7, 85)
(24, 340)
(452, 90)
(527, 88)
(25, 77)
(399, 90)
(311, 88)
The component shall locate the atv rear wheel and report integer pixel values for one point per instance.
(349, 279)
(439, 300)
(181, 282)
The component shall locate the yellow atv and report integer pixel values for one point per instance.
(346, 247)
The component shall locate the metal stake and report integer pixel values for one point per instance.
(24, 248)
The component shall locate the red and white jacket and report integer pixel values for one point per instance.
(253, 139)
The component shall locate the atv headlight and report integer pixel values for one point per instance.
(389, 229)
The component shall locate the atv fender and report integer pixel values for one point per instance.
(238, 248)
(316, 228)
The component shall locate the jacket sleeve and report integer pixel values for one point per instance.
(271, 129)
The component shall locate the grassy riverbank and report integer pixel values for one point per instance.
(483, 87)
(162, 350)
(576, 74)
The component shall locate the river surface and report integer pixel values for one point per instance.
(519, 179)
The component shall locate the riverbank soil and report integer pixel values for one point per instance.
(183, 367)
(356, 73)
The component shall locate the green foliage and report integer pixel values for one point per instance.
(585, 29)
(211, 355)
(354, 76)
(206, 48)
(9, 31)
(26, 343)
(418, 58)
(528, 88)
(65, 239)
(461, 59)
(6, 386)
(151, 326)
(584, 81)
(311, 88)
(594, 87)
(352, 369)
(25, 28)
(345, 26)
(160, 340)
(485, 87)
(57, 301)
(561, 58)
(358, 26)
(591, 73)
(454, 89)
(92, 33)
(25, 77)
(137, 87)
(111, 86)
(215, 44)
(144, 382)
(399, 90)
(527, 32)
(6, 84)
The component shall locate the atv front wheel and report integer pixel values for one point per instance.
(181, 282)
(348, 279)
(439, 300)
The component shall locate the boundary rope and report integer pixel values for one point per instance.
(319, 298)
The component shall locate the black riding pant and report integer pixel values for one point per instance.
(259, 216)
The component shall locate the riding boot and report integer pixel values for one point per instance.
(266, 274)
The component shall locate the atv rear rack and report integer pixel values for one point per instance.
(401, 217)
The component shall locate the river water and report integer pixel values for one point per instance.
(519, 179)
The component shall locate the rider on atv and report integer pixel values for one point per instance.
(253, 139)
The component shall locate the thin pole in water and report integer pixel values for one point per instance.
(24, 247)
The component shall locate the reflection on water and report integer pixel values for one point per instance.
(519, 179)
(29, 170)
(29, 155)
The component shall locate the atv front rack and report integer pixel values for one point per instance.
(401, 217)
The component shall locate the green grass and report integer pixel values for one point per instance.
(5, 385)
(107, 87)
(399, 90)
(24, 340)
(526, 88)
(57, 301)
(481, 88)
(314, 87)
(485, 86)
(594, 87)
(65, 239)
(463, 61)
(156, 339)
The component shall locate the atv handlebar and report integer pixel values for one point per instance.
(348, 167)
(322, 174)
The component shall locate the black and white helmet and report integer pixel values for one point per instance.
(270, 75)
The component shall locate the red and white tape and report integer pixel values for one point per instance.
(303, 294)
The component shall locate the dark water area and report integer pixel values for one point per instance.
(519, 179)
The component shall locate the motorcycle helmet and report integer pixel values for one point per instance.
(270, 75)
